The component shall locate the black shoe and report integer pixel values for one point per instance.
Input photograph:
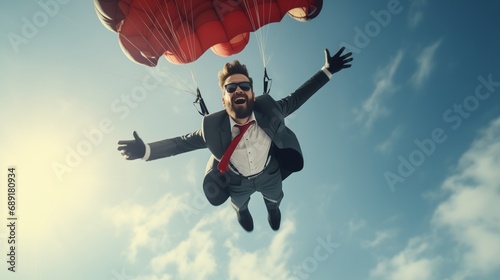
(274, 218)
(245, 219)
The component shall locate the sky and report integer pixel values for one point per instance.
(402, 151)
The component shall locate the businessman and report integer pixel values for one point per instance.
(252, 149)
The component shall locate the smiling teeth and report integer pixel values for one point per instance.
(239, 100)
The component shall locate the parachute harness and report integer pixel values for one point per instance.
(267, 82)
(199, 100)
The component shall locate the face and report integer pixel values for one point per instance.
(239, 104)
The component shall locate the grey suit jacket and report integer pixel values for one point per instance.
(215, 133)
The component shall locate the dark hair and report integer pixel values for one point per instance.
(231, 68)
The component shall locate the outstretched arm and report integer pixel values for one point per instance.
(333, 64)
(134, 149)
(177, 145)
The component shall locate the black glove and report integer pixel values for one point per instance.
(337, 62)
(132, 149)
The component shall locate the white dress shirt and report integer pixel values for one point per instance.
(251, 153)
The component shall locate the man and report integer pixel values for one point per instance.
(252, 149)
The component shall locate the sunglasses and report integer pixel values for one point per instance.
(245, 86)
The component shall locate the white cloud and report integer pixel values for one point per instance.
(409, 264)
(193, 257)
(142, 221)
(373, 107)
(425, 62)
(471, 214)
(192, 170)
(416, 14)
(264, 263)
(325, 196)
(469, 219)
(387, 145)
(355, 225)
(197, 255)
(165, 175)
(381, 236)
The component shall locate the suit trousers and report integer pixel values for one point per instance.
(268, 183)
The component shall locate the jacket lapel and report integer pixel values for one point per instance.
(225, 133)
(263, 122)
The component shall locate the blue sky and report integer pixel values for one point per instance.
(401, 151)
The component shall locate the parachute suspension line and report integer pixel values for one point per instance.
(185, 31)
(148, 14)
(163, 35)
(175, 40)
(280, 31)
(130, 42)
(203, 110)
(167, 18)
(190, 40)
(266, 30)
(143, 37)
(261, 35)
(188, 30)
(191, 51)
(259, 25)
(194, 37)
(166, 39)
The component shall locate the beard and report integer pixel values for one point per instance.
(241, 111)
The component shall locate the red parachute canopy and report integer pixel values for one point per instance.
(184, 29)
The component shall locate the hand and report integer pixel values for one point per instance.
(337, 62)
(132, 149)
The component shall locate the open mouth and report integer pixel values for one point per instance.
(240, 100)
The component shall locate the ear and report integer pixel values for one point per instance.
(223, 104)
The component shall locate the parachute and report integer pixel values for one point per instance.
(183, 30)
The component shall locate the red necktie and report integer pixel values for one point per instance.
(224, 162)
